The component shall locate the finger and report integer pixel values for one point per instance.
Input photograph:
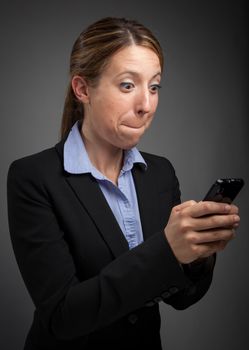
(221, 245)
(215, 247)
(208, 249)
(214, 236)
(214, 221)
(208, 208)
(234, 209)
(184, 205)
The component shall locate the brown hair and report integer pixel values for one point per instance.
(92, 51)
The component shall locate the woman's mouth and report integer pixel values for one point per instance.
(133, 126)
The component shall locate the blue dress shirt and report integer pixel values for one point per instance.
(122, 198)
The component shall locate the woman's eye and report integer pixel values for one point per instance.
(155, 87)
(126, 86)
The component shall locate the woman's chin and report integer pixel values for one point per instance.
(128, 144)
(131, 137)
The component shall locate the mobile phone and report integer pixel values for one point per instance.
(224, 190)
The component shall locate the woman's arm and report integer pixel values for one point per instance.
(67, 306)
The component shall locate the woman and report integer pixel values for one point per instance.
(97, 229)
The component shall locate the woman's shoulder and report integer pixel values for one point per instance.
(36, 164)
(159, 168)
(154, 160)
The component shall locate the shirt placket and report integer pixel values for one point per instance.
(127, 213)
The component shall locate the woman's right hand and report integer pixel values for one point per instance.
(198, 230)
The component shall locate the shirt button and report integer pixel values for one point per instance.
(132, 318)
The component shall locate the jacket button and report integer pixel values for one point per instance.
(150, 303)
(158, 299)
(132, 318)
(166, 295)
(173, 290)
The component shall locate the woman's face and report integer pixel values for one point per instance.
(122, 106)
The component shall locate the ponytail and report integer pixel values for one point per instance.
(73, 111)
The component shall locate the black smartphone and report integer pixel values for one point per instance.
(224, 190)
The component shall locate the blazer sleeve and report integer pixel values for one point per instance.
(200, 272)
(69, 307)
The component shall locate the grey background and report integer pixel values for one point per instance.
(201, 126)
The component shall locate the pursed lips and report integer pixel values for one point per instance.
(133, 126)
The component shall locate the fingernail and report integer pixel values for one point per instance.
(227, 207)
(236, 218)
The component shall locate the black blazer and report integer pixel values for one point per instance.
(88, 288)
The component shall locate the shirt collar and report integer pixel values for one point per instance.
(76, 160)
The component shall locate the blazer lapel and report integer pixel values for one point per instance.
(92, 199)
(146, 196)
(90, 195)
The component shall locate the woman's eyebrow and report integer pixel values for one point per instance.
(136, 74)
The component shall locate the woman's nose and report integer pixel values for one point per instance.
(143, 103)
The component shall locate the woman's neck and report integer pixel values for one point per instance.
(104, 157)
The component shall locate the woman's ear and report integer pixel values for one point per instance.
(80, 88)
